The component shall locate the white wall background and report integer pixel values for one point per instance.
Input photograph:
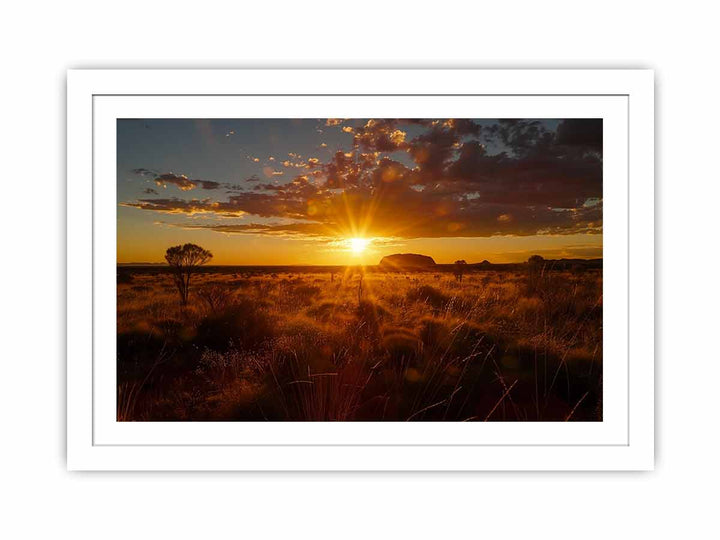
(40, 40)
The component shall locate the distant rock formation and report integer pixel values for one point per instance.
(407, 260)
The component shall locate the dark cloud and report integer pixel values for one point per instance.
(536, 181)
(144, 172)
(150, 191)
(549, 178)
(434, 149)
(176, 206)
(520, 136)
(207, 184)
(461, 126)
(583, 132)
(180, 181)
(289, 229)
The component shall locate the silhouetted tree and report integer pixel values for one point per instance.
(536, 282)
(183, 261)
(536, 261)
(459, 269)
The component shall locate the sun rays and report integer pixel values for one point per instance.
(358, 245)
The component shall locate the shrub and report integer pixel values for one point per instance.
(306, 293)
(371, 313)
(325, 311)
(401, 345)
(124, 278)
(244, 325)
(428, 295)
(215, 297)
(434, 332)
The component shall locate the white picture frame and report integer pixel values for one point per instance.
(623, 441)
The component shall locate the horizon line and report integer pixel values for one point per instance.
(118, 263)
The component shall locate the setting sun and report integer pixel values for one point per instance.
(358, 245)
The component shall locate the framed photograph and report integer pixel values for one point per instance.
(360, 270)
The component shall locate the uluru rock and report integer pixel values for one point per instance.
(407, 260)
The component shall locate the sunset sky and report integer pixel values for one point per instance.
(334, 191)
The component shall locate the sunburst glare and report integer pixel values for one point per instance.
(358, 245)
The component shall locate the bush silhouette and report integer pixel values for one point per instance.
(536, 261)
(459, 269)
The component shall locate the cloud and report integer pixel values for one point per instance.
(434, 149)
(144, 172)
(207, 184)
(182, 182)
(578, 132)
(443, 182)
(520, 136)
(297, 162)
(312, 230)
(381, 136)
(270, 172)
(333, 122)
(150, 191)
(182, 206)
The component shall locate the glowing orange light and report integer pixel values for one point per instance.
(358, 245)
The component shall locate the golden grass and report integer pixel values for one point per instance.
(407, 346)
